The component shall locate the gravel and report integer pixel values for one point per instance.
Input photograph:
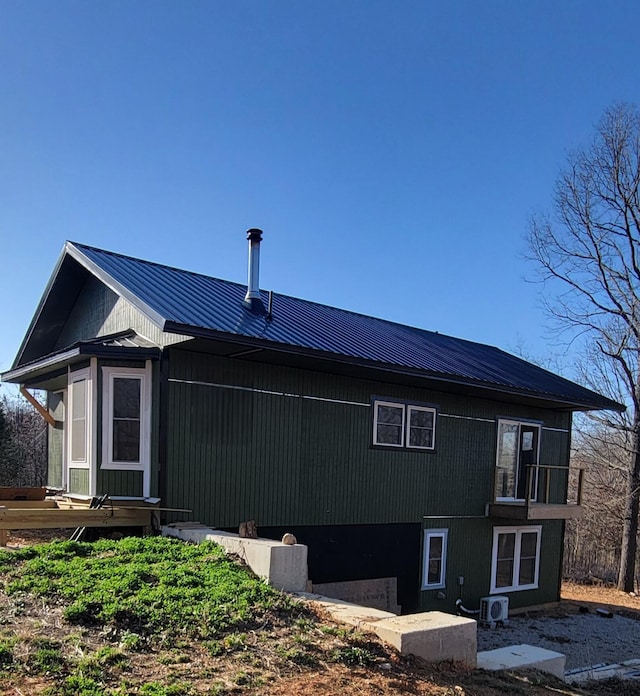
(585, 639)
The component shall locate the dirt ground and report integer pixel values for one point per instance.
(391, 675)
(594, 596)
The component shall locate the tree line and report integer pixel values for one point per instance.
(23, 444)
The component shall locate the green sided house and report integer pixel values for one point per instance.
(391, 451)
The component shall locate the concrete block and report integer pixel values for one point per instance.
(348, 613)
(433, 636)
(379, 593)
(517, 657)
(282, 566)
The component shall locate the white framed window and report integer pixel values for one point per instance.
(515, 561)
(435, 559)
(126, 419)
(409, 426)
(79, 419)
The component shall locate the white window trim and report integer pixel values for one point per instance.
(375, 423)
(518, 531)
(405, 426)
(88, 374)
(414, 407)
(428, 535)
(144, 465)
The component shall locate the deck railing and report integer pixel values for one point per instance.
(554, 485)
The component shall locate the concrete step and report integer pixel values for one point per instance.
(524, 656)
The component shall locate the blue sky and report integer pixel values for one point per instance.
(392, 151)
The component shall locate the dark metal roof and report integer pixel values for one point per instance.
(194, 304)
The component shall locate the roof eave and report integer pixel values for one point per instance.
(560, 402)
(69, 356)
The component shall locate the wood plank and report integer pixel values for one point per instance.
(53, 519)
(22, 493)
(28, 504)
(549, 511)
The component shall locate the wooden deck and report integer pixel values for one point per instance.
(68, 512)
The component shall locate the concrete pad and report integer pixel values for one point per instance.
(523, 656)
(282, 566)
(432, 635)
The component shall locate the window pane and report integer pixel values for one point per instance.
(504, 573)
(389, 434)
(435, 552)
(126, 441)
(507, 463)
(79, 421)
(506, 546)
(435, 572)
(527, 571)
(78, 441)
(421, 419)
(79, 399)
(420, 438)
(528, 544)
(126, 398)
(390, 415)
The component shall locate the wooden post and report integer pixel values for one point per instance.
(580, 481)
(38, 406)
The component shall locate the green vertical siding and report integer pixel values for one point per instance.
(78, 481)
(127, 483)
(56, 440)
(469, 553)
(293, 447)
(235, 453)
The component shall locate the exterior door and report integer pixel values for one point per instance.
(518, 447)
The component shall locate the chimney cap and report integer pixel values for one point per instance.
(254, 235)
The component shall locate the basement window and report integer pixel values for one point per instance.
(516, 558)
(435, 559)
(408, 426)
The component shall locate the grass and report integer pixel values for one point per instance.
(154, 606)
(145, 587)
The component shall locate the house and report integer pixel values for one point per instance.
(391, 451)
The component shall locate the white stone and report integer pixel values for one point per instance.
(523, 657)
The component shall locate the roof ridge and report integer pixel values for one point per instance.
(351, 312)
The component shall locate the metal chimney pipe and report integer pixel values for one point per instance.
(252, 299)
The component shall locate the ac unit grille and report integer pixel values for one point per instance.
(493, 610)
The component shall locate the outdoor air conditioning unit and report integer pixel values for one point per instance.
(494, 610)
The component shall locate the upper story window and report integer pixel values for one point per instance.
(410, 426)
(126, 418)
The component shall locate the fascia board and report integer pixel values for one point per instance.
(39, 308)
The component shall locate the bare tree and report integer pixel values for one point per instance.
(23, 444)
(588, 254)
